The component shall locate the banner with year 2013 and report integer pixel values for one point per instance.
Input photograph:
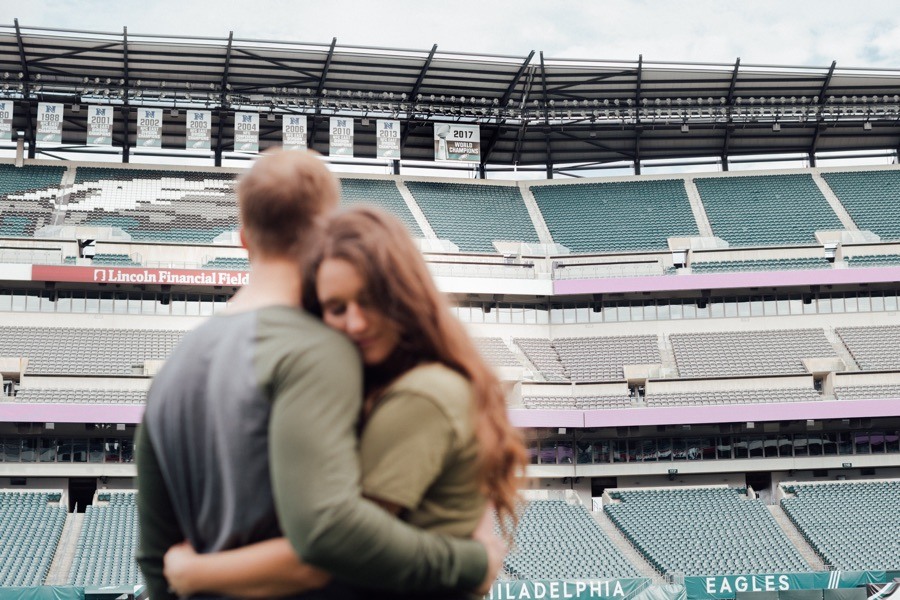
(340, 136)
(293, 132)
(246, 132)
(198, 130)
(149, 127)
(387, 139)
(6, 119)
(49, 122)
(100, 125)
(457, 143)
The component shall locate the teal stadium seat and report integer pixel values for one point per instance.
(772, 264)
(382, 194)
(105, 549)
(30, 527)
(28, 196)
(870, 198)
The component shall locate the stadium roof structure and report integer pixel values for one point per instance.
(533, 111)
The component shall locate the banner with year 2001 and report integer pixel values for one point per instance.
(340, 136)
(457, 143)
(149, 127)
(100, 125)
(293, 132)
(6, 119)
(388, 139)
(246, 132)
(198, 130)
(49, 122)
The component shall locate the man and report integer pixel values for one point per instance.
(267, 389)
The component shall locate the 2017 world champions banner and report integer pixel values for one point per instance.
(149, 127)
(726, 586)
(6, 119)
(246, 132)
(293, 132)
(340, 136)
(99, 125)
(587, 589)
(387, 139)
(49, 122)
(457, 143)
(198, 130)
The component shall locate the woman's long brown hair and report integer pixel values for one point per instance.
(400, 286)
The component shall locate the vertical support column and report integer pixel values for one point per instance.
(220, 136)
(396, 166)
(126, 141)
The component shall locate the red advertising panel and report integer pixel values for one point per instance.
(140, 275)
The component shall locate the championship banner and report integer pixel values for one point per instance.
(246, 132)
(149, 127)
(457, 143)
(706, 588)
(588, 589)
(49, 122)
(100, 125)
(138, 275)
(6, 119)
(387, 139)
(340, 137)
(293, 132)
(198, 130)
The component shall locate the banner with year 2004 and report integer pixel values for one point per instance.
(6, 119)
(246, 132)
(293, 132)
(388, 139)
(149, 127)
(99, 125)
(340, 136)
(457, 143)
(49, 122)
(198, 130)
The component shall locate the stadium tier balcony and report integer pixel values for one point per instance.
(616, 216)
(867, 392)
(557, 540)
(27, 198)
(851, 526)
(773, 264)
(878, 260)
(473, 216)
(104, 555)
(766, 210)
(873, 348)
(384, 195)
(578, 402)
(746, 353)
(228, 262)
(589, 359)
(703, 531)
(30, 527)
(79, 396)
(745, 396)
(870, 198)
(114, 260)
(154, 205)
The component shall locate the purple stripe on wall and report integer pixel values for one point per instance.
(12, 412)
(696, 415)
(722, 281)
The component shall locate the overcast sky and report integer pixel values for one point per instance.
(858, 33)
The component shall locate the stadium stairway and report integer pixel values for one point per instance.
(841, 349)
(697, 208)
(540, 226)
(834, 202)
(628, 551)
(806, 551)
(65, 551)
(416, 211)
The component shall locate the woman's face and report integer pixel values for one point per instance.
(347, 307)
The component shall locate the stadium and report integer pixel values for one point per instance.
(700, 352)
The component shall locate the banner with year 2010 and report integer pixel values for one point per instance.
(246, 132)
(100, 125)
(149, 127)
(198, 130)
(49, 122)
(340, 136)
(387, 139)
(6, 119)
(457, 143)
(293, 132)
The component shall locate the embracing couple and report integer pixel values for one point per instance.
(335, 433)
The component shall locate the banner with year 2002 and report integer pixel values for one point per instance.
(340, 136)
(457, 143)
(387, 139)
(198, 130)
(246, 132)
(6, 119)
(49, 122)
(293, 132)
(149, 127)
(100, 125)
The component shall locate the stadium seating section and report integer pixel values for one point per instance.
(774, 264)
(873, 348)
(870, 198)
(616, 217)
(766, 210)
(27, 197)
(382, 194)
(578, 402)
(852, 526)
(30, 527)
(866, 392)
(704, 531)
(557, 540)
(496, 352)
(79, 396)
(589, 358)
(750, 396)
(105, 549)
(474, 216)
(115, 260)
(228, 262)
(877, 260)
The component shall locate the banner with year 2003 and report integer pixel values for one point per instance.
(246, 132)
(6, 119)
(340, 136)
(293, 132)
(49, 122)
(100, 125)
(457, 143)
(149, 127)
(198, 130)
(387, 139)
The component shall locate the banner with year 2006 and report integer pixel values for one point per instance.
(340, 137)
(198, 130)
(6, 119)
(457, 143)
(149, 127)
(293, 132)
(100, 125)
(388, 139)
(49, 122)
(246, 132)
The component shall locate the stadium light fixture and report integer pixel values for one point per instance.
(776, 127)
(867, 126)
(685, 128)
(847, 465)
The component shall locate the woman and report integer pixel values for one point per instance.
(436, 446)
